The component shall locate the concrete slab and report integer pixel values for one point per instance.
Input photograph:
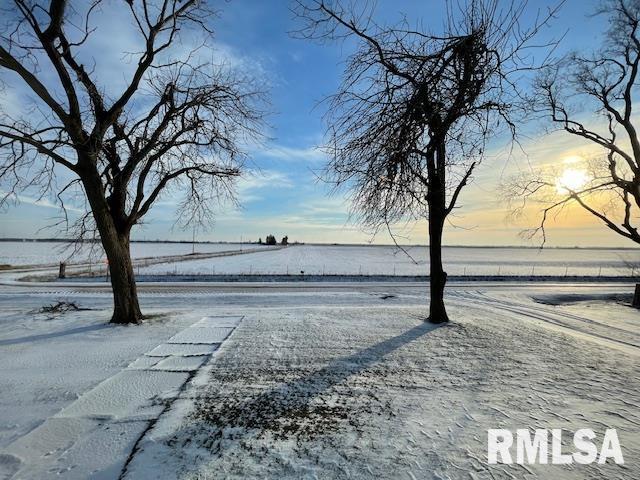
(181, 364)
(183, 350)
(218, 322)
(129, 393)
(202, 335)
(101, 455)
(48, 439)
(143, 363)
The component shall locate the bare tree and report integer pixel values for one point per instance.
(605, 82)
(178, 123)
(415, 110)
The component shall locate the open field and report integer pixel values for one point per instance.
(340, 260)
(45, 253)
(389, 260)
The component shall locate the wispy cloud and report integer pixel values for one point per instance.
(251, 185)
(38, 202)
(305, 154)
(257, 180)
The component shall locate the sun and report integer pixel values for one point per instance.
(571, 180)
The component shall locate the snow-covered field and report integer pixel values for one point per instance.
(388, 260)
(39, 253)
(311, 384)
(343, 259)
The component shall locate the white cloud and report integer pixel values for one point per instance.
(306, 154)
(38, 202)
(257, 180)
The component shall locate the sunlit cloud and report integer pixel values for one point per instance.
(283, 198)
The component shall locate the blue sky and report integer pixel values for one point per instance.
(284, 197)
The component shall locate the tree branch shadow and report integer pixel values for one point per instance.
(295, 407)
(46, 336)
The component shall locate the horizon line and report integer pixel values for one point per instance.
(293, 243)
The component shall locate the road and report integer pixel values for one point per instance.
(514, 298)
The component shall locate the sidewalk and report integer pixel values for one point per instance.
(95, 435)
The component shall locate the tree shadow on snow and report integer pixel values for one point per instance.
(46, 336)
(303, 407)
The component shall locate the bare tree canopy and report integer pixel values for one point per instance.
(180, 121)
(604, 83)
(415, 110)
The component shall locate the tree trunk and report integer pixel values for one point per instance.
(437, 275)
(636, 296)
(126, 308)
(115, 242)
(436, 199)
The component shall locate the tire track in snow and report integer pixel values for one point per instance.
(566, 321)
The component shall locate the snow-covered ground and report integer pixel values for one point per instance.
(313, 382)
(110, 398)
(342, 259)
(388, 260)
(39, 253)
(48, 361)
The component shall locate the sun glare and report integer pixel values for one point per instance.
(571, 180)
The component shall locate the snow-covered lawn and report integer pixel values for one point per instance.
(388, 260)
(348, 384)
(376, 393)
(47, 363)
